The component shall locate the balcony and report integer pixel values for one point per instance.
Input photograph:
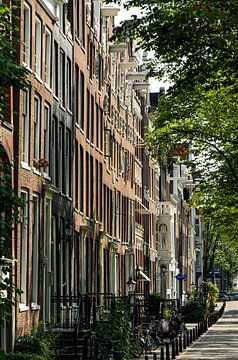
(136, 76)
(118, 48)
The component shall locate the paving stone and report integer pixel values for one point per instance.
(220, 341)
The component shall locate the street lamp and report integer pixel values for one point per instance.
(131, 285)
(163, 268)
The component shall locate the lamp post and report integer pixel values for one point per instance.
(163, 269)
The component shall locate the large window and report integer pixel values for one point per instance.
(82, 99)
(68, 162)
(76, 96)
(69, 85)
(26, 126)
(80, 21)
(88, 115)
(54, 153)
(62, 78)
(47, 124)
(27, 35)
(38, 46)
(24, 248)
(37, 127)
(56, 69)
(35, 250)
(48, 57)
(81, 198)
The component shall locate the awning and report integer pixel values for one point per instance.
(145, 277)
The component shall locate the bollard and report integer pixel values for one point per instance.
(191, 336)
(188, 338)
(162, 353)
(180, 344)
(176, 347)
(173, 349)
(154, 356)
(184, 340)
(167, 352)
(196, 331)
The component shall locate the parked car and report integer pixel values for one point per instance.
(233, 295)
(222, 296)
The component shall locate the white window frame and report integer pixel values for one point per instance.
(24, 250)
(37, 126)
(26, 126)
(48, 57)
(38, 46)
(27, 35)
(47, 123)
(35, 250)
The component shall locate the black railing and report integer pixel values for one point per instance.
(73, 312)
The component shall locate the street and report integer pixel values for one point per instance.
(220, 341)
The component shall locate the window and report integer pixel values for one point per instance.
(38, 46)
(48, 56)
(87, 188)
(81, 199)
(76, 94)
(80, 21)
(76, 170)
(54, 153)
(27, 35)
(35, 249)
(62, 76)
(91, 187)
(37, 127)
(88, 114)
(26, 126)
(63, 18)
(92, 119)
(47, 123)
(82, 94)
(60, 152)
(68, 162)
(97, 125)
(69, 85)
(24, 247)
(56, 69)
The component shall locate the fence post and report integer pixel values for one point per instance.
(191, 336)
(194, 336)
(146, 357)
(154, 356)
(188, 338)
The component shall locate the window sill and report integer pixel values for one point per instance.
(38, 78)
(25, 166)
(37, 172)
(46, 176)
(23, 307)
(48, 87)
(35, 306)
(27, 67)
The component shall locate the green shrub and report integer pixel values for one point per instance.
(115, 334)
(193, 312)
(38, 342)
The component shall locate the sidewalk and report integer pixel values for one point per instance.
(220, 341)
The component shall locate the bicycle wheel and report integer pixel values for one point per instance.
(150, 343)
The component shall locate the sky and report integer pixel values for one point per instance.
(123, 15)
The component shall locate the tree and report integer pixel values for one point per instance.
(11, 74)
(195, 47)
